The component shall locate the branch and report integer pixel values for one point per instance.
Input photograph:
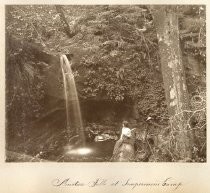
(63, 19)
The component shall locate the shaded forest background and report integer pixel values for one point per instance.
(116, 63)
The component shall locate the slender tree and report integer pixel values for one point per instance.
(166, 22)
(63, 19)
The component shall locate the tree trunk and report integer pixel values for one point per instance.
(166, 22)
(63, 19)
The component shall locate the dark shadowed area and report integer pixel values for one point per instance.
(74, 73)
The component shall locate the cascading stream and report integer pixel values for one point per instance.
(73, 112)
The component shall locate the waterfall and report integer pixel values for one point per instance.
(73, 112)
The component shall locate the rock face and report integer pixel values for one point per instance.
(125, 153)
(48, 64)
(49, 67)
(53, 82)
(124, 150)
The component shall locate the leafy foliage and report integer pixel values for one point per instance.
(115, 58)
(115, 48)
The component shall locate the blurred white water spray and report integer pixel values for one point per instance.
(73, 112)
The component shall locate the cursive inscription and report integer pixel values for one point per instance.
(66, 182)
(133, 184)
(129, 183)
(169, 182)
(98, 182)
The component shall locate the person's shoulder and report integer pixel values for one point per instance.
(126, 128)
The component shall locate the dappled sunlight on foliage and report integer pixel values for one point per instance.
(115, 60)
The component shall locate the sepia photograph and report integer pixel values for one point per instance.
(105, 83)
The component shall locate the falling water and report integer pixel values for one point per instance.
(73, 113)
